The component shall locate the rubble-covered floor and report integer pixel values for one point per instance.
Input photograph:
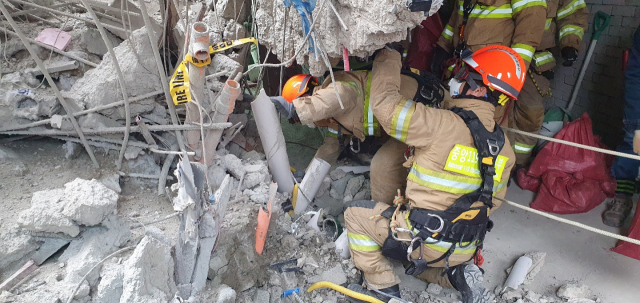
(573, 255)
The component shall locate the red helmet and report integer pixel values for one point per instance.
(500, 67)
(297, 86)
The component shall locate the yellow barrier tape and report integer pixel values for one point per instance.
(229, 44)
(179, 83)
(196, 62)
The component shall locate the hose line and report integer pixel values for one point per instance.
(343, 290)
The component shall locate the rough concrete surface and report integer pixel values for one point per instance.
(100, 85)
(371, 25)
(148, 273)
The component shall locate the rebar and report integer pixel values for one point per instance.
(40, 65)
(123, 84)
(44, 8)
(161, 74)
(115, 130)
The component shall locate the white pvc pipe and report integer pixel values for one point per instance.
(518, 273)
(311, 182)
(273, 141)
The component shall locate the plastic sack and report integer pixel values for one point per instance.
(628, 249)
(569, 179)
(423, 42)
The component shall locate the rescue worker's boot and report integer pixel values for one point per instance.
(393, 291)
(467, 279)
(618, 210)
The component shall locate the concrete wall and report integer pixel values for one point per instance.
(602, 91)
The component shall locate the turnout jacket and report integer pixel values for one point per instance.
(518, 24)
(567, 20)
(357, 117)
(444, 165)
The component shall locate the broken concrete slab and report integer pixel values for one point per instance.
(354, 185)
(15, 247)
(334, 275)
(111, 283)
(94, 43)
(88, 202)
(338, 187)
(233, 165)
(100, 85)
(337, 174)
(45, 214)
(221, 69)
(574, 291)
(148, 273)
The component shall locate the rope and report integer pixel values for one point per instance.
(576, 224)
(597, 149)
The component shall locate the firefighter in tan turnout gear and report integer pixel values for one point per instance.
(461, 159)
(518, 24)
(307, 102)
(567, 20)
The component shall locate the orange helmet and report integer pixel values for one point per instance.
(500, 68)
(297, 86)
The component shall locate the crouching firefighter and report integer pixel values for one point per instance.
(305, 101)
(461, 159)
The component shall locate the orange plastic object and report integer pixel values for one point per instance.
(264, 216)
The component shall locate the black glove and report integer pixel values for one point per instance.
(439, 57)
(570, 55)
(396, 46)
(284, 107)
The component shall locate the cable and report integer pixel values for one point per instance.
(304, 42)
(576, 224)
(597, 149)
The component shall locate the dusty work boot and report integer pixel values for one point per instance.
(467, 279)
(392, 291)
(617, 210)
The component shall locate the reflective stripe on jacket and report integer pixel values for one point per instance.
(434, 133)
(518, 24)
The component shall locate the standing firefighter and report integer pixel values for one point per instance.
(567, 20)
(461, 159)
(305, 102)
(518, 24)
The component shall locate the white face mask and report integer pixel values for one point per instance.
(455, 87)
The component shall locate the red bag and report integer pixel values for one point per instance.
(569, 179)
(628, 249)
(556, 156)
(423, 42)
(563, 193)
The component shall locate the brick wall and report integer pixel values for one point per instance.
(602, 91)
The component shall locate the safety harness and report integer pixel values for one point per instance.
(430, 89)
(460, 224)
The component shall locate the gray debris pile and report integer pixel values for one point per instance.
(369, 26)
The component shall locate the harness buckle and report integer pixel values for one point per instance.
(351, 145)
(494, 148)
(399, 229)
(440, 227)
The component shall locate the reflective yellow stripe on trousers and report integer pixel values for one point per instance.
(361, 242)
(446, 182)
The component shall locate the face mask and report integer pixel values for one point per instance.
(455, 87)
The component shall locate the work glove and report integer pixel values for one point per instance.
(437, 63)
(285, 108)
(636, 142)
(570, 55)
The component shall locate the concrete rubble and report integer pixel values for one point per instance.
(77, 234)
